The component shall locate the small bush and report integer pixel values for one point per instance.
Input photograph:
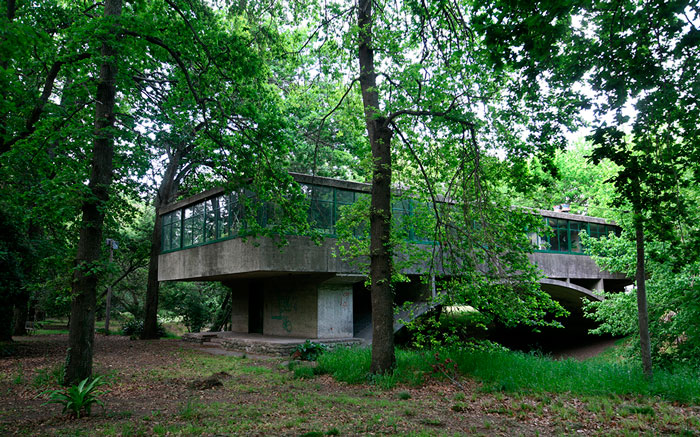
(134, 328)
(404, 395)
(78, 398)
(309, 351)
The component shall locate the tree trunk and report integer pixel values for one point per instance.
(224, 313)
(6, 315)
(150, 321)
(20, 314)
(383, 359)
(165, 193)
(82, 326)
(642, 313)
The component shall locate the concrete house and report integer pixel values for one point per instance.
(304, 290)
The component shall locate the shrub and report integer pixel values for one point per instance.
(309, 351)
(78, 398)
(134, 328)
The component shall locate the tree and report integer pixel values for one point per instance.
(227, 121)
(420, 67)
(82, 327)
(587, 187)
(644, 57)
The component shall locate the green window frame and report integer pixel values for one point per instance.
(222, 217)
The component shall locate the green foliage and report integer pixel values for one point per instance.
(134, 328)
(586, 186)
(673, 296)
(304, 372)
(450, 327)
(309, 351)
(195, 303)
(78, 398)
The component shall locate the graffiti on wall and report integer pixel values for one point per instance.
(285, 306)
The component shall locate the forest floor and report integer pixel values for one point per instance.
(154, 388)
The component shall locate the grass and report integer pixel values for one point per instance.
(516, 372)
(49, 377)
(60, 326)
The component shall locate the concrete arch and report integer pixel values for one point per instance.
(568, 294)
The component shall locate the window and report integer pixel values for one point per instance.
(171, 231)
(321, 211)
(193, 225)
(597, 230)
(223, 224)
(574, 229)
(210, 220)
(559, 241)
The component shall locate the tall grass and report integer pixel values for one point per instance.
(517, 372)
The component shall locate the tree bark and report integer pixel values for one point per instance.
(165, 194)
(380, 134)
(82, 320)
(642, 313)
(224, 313)
(20, 314)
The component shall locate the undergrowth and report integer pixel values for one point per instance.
(515, 372)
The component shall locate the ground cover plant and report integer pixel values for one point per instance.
(78, 399)
(155, 388)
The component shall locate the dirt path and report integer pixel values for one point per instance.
(585, 351)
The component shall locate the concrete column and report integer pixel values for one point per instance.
(599, 285)
(239, 305)
(335, 315)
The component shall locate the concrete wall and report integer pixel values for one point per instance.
(239, 305)
(236, 258)
(561, 265)
(231, 258)
(291, 308)
(335, 311)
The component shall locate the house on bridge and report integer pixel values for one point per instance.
(304, 290)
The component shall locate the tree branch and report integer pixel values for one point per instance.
(323, 121)
(30, 125)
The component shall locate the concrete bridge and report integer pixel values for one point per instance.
(304, 290)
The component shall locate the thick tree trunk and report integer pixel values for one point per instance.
(642, 313)
(82, 327)
(383, 359)
(164, 195)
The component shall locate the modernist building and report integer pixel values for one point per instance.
(305, 290)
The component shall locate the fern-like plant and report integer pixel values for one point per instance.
(78, 398)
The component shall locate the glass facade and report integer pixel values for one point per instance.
(565, 236)
(221, 217)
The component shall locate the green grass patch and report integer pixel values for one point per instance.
(50, 376)
(515, 372)
(50, 331)
(352, 365)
